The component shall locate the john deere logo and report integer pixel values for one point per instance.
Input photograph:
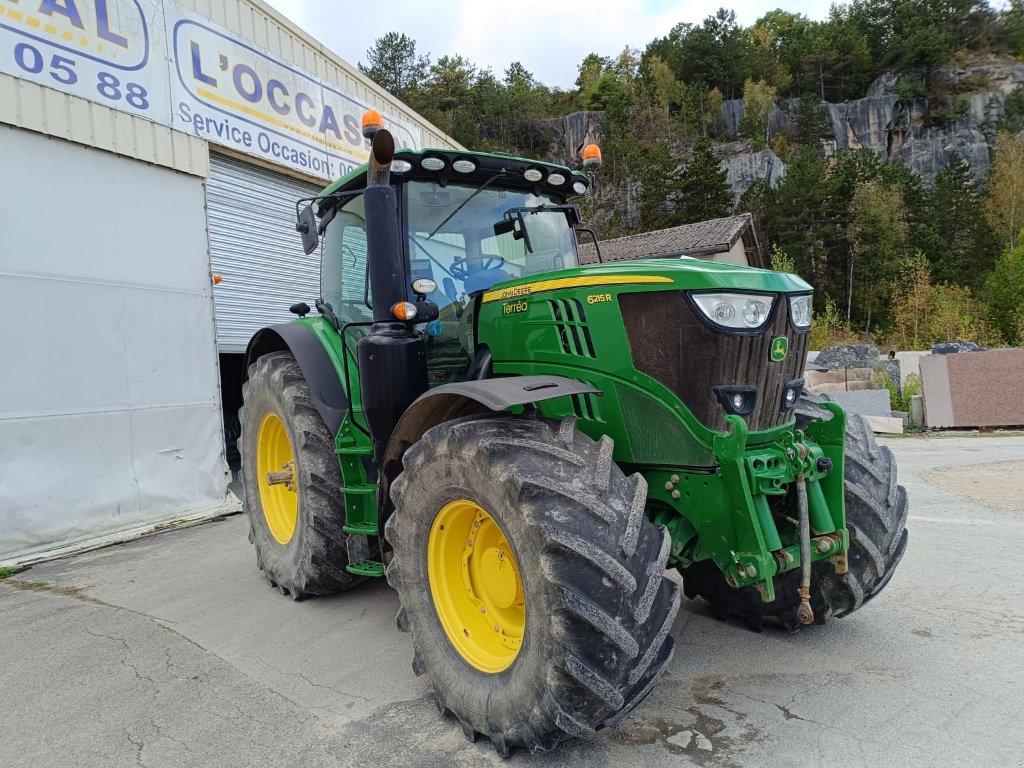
(780, 348)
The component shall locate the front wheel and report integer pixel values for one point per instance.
(531, 580)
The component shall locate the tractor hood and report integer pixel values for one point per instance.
(654, 274)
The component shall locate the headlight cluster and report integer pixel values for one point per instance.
(735, 311)
(800, 311)
(750, 311)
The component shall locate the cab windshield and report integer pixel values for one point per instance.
(453, 240)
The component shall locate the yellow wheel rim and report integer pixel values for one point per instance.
(275, 473)
(475, 585)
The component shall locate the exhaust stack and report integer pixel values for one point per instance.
(392, 357)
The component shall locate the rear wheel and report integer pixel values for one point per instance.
(531, 580)
(876, 516)
(291, 482)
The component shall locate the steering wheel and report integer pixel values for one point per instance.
(460, 269)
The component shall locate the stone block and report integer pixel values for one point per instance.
(973, 389)
(869, 402)
(848, 356)
(885, 424)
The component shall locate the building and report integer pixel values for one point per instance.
(731, 240)
(145, 148)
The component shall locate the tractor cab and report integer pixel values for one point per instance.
(467, 222)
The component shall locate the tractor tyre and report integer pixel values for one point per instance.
(294, 522)
(531, 580)
(876, 516)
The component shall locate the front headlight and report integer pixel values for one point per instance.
(800, 311)
(735, 311)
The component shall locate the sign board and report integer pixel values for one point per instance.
(167, 64)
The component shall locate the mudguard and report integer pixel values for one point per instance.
(465, 398)
(325, 386)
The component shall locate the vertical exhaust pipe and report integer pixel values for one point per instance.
(392, 357)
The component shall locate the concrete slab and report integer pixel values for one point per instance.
(173, 651)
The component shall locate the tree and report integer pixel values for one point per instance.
(704, 192)
(878, 237)
(715, 54)
(812, 121)
(658, 174)
(912, 303)
(797, 217)
(1005, 289)
(1004, 199)
(956, 315)
(449, 98)
(758, 100)
(394, 65)
(959, 220)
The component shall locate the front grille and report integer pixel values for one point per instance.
(669, 343)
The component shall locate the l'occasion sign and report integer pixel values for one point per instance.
(155, 59)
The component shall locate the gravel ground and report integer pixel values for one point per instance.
(173, 651)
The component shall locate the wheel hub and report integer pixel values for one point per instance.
(275, 474)
(475, 586)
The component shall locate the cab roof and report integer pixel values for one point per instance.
(474, 168)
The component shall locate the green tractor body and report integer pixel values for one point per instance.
(452, 291)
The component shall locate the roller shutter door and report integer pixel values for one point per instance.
(255, 248)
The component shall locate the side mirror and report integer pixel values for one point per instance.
(306, 227)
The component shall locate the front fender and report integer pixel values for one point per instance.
(465, 398)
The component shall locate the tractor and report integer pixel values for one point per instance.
(524, 446)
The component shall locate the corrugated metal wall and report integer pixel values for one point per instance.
(35, 108)
(255, 248)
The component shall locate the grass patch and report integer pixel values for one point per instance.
(6, 573)
(32, 584)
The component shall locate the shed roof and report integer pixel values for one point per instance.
(704, 237)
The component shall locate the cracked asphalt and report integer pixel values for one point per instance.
(173, 651)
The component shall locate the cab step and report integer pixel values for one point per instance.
(366, 568)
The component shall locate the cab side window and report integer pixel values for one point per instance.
(343, 264)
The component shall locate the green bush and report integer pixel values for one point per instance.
(910, 87)
(899, 398)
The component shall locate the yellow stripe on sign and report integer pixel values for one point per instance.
(238, 106)
(518, 291)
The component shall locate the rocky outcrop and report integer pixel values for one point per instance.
(570, 133)
(747, 166)
(913, 132)
(922, 133)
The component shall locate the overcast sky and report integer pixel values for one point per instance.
(550, 37)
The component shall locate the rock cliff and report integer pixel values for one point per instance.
(921, 132)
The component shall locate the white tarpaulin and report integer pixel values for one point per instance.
(109, 410)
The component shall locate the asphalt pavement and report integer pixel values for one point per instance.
(174, 651)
